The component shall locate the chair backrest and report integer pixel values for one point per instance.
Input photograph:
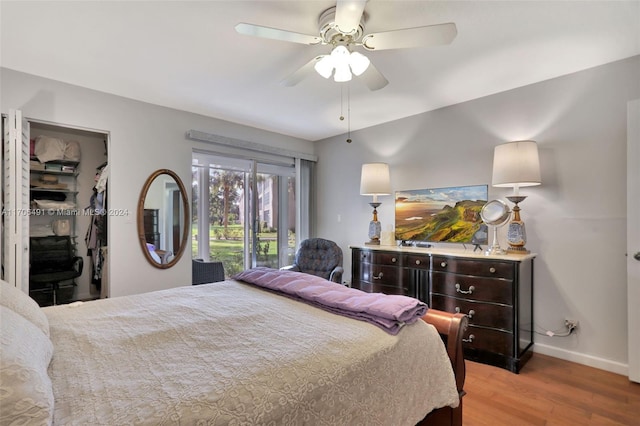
(50, 254)
(206, 272)
(318, 256)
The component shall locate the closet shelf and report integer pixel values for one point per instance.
(59, 191)
(54, 172)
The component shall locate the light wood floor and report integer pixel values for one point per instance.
(549, 391)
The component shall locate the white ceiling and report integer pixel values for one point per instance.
(187, 55)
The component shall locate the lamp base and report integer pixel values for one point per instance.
(375, 230)
(517, 250)
(516, 233)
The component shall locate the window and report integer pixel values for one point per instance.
(245, 211)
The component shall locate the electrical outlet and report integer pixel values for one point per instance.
(571, 324)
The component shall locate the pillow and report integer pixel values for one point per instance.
(26, 393)
(17, 301)
(48, 148)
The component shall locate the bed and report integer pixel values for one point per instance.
(230, 352)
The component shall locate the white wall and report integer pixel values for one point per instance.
(575, 220)
(143, 138)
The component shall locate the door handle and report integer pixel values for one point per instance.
(637, 255)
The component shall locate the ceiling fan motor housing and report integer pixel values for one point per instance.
(331, 34)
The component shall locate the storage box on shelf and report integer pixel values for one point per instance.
(495, 292)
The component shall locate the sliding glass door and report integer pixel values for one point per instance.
(244, 212)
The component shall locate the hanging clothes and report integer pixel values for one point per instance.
(96, 236)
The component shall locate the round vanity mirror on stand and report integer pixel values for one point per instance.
(495, 213)
(163, 219)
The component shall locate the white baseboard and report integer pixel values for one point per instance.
(589, 360)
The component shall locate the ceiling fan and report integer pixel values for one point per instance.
(342, 26)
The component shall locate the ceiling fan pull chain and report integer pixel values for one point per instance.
(349, 113)
(341, 103)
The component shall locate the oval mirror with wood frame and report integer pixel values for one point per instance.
(163, 218)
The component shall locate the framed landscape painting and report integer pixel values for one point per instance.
(447, 215)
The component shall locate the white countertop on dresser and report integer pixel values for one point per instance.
(453, 251)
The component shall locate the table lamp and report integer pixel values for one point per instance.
(516, 164)
(375, 181)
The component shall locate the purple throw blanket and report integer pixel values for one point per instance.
(389, 312)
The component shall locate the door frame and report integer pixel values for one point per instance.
(15, 171)
(633, 238)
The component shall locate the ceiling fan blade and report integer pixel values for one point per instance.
(301, 73)
(373, 79)
(431, 35)
(276, 34)
(348, 15)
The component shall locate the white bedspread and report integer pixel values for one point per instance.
(228, 353)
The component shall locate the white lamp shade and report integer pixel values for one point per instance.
(374, 179)
(342, 73)
(358, 62)
(516, 164)
(344, 62)
(324, 66)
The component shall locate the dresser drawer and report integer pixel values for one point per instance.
(484, 339)
(380, 258)
(472, 288)
(380, 274)
(482, 268)
(416, 261)
(386, 289)
(483, 314)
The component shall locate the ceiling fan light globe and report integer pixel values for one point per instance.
(324, 66)
(340, 53)
(358, 62)
(342, 74)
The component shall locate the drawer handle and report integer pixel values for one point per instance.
(418, 262)
(470, 339)
(469, 315)
(443, 264)
(492, 270)
(393, 260)
(379, 277)
(471, 289)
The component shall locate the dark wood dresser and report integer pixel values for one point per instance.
(495, 292)
(151, 230)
